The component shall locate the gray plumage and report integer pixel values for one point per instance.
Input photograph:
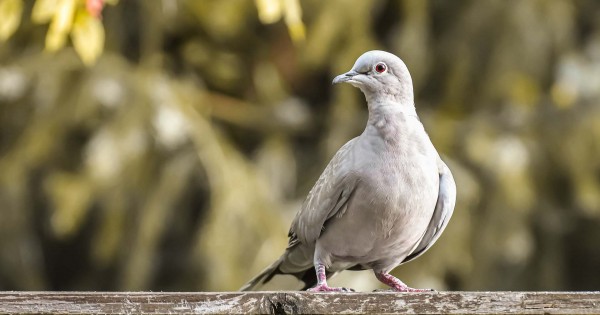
(385, 197)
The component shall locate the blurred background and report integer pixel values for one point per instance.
(167, 145)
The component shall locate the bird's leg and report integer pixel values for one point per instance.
(396, 284)
(322, 282)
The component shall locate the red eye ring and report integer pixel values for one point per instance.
(380, 67)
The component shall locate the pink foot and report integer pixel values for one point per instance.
(322, 282)
(326, 288)
(396, 284)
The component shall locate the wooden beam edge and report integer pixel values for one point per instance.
(295, 302)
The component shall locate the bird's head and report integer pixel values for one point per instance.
(381, 76)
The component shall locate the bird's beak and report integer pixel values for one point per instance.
(344, 77)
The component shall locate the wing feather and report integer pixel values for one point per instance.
(326, 199)
(441, 215)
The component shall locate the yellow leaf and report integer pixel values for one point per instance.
(70, 198)
(111, 2)
(293, 19)
(88, 37)
(297, 31)
(61, 24)
(269, 11)
(43, 10)
(10, 17)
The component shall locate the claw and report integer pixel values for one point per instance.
(396, 284)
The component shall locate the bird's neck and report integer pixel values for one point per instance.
(387, 109)
(400, 93)
(390, 120)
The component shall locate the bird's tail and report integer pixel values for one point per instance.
(264, 276)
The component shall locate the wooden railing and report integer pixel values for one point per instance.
(299, 302)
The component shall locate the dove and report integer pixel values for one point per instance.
(384, 198)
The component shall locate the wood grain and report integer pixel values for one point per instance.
(299, 303)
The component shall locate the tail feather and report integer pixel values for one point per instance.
(307, 276)
(294, 262)
(262, 278)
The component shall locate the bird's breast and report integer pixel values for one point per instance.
(401, 183)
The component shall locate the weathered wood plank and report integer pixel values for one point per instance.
(299, 302)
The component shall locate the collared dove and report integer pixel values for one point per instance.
(385, 197)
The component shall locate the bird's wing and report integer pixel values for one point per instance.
(442, 213)
(328, 198)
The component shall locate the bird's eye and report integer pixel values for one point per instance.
(380, 67)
